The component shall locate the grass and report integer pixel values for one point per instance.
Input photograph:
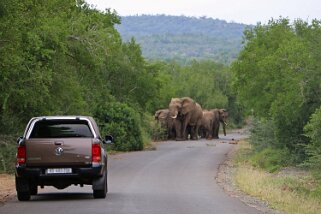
(288, 192)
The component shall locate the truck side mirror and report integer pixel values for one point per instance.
(20, 140)
(108, 139)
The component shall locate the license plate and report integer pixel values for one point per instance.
(58, 171)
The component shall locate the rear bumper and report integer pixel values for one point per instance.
(79, 175)
(29, 172)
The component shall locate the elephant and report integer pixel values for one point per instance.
(161, 116)
(189, 113)
(168, 123)
(206, 129)
(220, 116)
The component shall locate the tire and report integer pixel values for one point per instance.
(101, 190)
(23, 196)
(23, 189)
(33, 189)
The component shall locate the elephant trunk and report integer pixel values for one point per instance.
(173, 114)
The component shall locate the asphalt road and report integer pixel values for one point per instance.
(178, 177)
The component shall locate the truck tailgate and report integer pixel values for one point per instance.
(59, 152)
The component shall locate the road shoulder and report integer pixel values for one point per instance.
(7, 188)
(225, 179)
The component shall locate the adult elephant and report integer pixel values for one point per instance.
(206, 128)
(220, 116)
(168, 123)
(189, 113)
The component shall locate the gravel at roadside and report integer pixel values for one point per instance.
(225, 179)
(7, 187)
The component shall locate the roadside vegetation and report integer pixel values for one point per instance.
(277, 77)
(291, 189)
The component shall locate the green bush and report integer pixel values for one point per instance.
(262, 134)
(313, 150)
(8, 149)
(123, 123)
(268, 154)
(271, 159)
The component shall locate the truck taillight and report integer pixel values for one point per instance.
(21, 154)
(96, 153)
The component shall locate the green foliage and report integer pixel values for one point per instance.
(51, 55)
(313, 131)
(271, 159)
(123, 123)
(262, 134)
(184, 38)
(206, 82)
(131, 79)
(277, 76)
(8, 149)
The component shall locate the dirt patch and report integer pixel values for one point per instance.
(7, 187)
(225, 179)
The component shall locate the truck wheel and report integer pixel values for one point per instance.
(33, 189)
(23, 189)
(23, 196)
(100, 187)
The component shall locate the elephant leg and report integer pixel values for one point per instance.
(215, 136)
(178, 131)
(185, 131)
(185, 127)
(210, 132)
(217, 130)
(193, 133)
(195, 130)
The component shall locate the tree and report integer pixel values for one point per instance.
(277, 75)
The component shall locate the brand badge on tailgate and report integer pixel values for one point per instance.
(59, 151)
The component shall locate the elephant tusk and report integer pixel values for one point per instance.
(174, 117)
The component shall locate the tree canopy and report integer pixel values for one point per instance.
(278, 76)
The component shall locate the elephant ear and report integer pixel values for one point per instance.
(187, 105)
(157, 114)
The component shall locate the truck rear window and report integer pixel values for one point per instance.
(61, 129)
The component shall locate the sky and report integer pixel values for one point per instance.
(240, 11)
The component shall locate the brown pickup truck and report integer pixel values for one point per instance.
(61, 151)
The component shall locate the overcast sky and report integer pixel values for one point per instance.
(241, 11)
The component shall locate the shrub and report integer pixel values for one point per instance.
(271, 159)
(262, 134)
(8, 150)
(313, 150)
(121, 121)
(268, 154)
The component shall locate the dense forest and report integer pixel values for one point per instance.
(184, 38)
(63, 57)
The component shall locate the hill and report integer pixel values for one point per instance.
(183, 38)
